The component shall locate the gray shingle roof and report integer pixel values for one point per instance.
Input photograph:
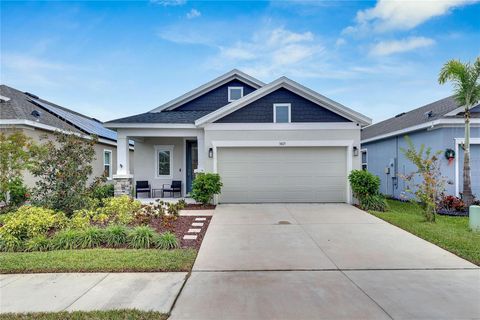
(163, 117)
(20, 107)
(437, 110)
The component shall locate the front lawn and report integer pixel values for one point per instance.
(90, 315)
(450, 233)
(98, 260)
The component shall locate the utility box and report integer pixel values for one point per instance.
(474, 218)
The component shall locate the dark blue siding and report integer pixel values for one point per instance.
(214, 99)
(302, 110)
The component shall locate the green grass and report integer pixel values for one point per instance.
(91, 315)
(98, 260)
(450, 233)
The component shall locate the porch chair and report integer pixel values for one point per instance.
(175, 186)
(142, 187)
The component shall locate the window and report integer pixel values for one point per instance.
(281, 113)
(163, 160)
(364, 159)
(234, 93)
(107, 163)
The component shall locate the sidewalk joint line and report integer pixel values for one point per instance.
(88, 290)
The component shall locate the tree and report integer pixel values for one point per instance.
(63, 166)
(465, 79)
(15, 149)
(431, 186)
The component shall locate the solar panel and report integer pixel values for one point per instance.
(88, 125)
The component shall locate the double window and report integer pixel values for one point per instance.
(107, 163)
(163, 160)
(234, 93)
(282, 113)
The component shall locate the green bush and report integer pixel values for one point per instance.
(205, 186)
(9, 243)
(28, 222)
(116, 236)
(166, 240)
(67, 239)
(18, 193)
(366, 188)
(120, 210)
(39, 243)
(141, 237)
(91, 237)
(101, 192)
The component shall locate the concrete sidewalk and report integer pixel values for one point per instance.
(53, 292)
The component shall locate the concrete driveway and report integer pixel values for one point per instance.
(322, 261)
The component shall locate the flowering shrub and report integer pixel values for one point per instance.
(452, 203)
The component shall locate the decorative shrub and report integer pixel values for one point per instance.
(91, 237)
(148, 212)
(365, 187)
(452, 203)
(18, 193)
(102, 191)
(166, 240)
(28, 222)
(205, 186)
(174, 208)
(39, 243)
(67, 239)
(116, 236)
(141, 237)
(120, 210)
(10, 243)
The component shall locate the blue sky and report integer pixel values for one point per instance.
(113, 59)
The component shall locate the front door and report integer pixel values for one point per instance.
(192, 162)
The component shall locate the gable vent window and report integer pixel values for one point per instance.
(234, 93)
(281, 113)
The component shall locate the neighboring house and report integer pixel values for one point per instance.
(438, 125)
(276, 142)
(38, 118)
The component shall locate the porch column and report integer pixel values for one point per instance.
(123, 178)
(201, 152)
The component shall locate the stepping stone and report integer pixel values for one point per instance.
(195, 230)
(197, 224)
(190, 237)
(200, 219)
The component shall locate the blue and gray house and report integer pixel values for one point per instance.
(438, 125)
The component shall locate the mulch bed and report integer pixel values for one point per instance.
(199, 206)
(452, 213)
(180, 228)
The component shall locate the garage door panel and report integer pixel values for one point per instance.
(283, 174)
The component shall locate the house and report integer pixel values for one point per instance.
(438, 125)
(37, 117)
(275, 142)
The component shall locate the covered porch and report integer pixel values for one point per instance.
(162, 156)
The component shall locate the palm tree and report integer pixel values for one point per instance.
(465, 79)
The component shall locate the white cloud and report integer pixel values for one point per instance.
(390, 15)
(385, 48)
(194, 13)
(340, 42)
(169, 3)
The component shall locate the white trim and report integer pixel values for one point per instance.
(114, 125)
(294, 143)
(159, 148)
(458, 142)
(215, 83)
(432, 125)
(235, 88)
(288, 105)
(293, 86)
(110, 169)
(282, 126)
(184, 188)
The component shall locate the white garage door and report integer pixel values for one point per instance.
(288, 174)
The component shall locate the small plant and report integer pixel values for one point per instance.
(9, 243)
(102, 191)
(141, 237)
(120, 210)
(166, 241)
(116, 236)
(205, 186)
(18, 193)
(39, 243)
(174, 208)
(91, 237)
(67, 239)
(452, 203)
(365, 187)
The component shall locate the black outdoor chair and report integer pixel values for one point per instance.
(176, 186)
(142, 187)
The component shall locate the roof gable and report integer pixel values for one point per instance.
(209, 86)
(294, 87)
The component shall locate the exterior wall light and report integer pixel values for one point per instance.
(355, 151)
(210, 152)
